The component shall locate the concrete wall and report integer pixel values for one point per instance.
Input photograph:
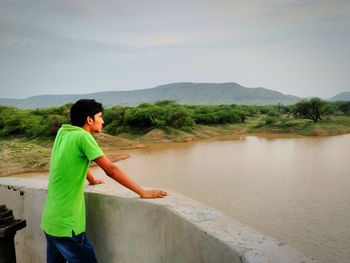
(124, 228)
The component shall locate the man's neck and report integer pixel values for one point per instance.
(87, 128)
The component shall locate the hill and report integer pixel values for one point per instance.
(345, 96)
(184, 93)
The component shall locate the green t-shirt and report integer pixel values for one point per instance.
(73, 150)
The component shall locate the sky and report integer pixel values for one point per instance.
(298, 47)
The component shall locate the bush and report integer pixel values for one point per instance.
(114, 119)
(32, 123)
(221, 114)
(160, 115)
(270, 120)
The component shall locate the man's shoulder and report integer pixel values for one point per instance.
(73, 131)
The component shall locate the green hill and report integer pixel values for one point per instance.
(345, 96)
(184, 93)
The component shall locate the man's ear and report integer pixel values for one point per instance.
(89, 120)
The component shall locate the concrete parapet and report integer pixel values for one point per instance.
(124, 228)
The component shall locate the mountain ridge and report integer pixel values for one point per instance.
(182, 92)
(341, 96)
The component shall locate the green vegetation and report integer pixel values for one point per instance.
(219, 114)
(343, 107)
(169, 116)
(32, 123)
(312, 109)
(160, 115)
(330, 125)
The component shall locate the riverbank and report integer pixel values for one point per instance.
(21, 155)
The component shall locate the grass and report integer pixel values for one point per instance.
(19, 155)
(332, 125)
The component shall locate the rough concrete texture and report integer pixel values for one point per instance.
(124, 228)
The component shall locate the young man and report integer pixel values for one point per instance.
(63, 218)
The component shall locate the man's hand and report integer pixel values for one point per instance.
(92, 180)
(153, 194)
(96, 181)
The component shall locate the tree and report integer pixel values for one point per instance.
(342, 106)
(312, 109)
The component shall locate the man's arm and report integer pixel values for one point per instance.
(118, 175)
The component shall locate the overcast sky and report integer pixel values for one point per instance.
(299, 47)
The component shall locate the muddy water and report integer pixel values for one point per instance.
(295, 189)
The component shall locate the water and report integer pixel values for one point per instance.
(294, 189)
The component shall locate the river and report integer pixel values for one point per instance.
(296, 189)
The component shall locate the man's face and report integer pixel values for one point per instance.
(97, 123)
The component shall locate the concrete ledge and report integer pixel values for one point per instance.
(126, 229)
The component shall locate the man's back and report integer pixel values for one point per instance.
(72, 152)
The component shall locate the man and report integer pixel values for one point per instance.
(63, 218)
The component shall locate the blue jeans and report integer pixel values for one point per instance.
(75, 249)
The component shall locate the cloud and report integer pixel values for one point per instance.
(17, 41)
(311, 9)
(163, 40)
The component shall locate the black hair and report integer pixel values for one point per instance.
(82, 109)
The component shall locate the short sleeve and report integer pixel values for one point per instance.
(90, 147)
